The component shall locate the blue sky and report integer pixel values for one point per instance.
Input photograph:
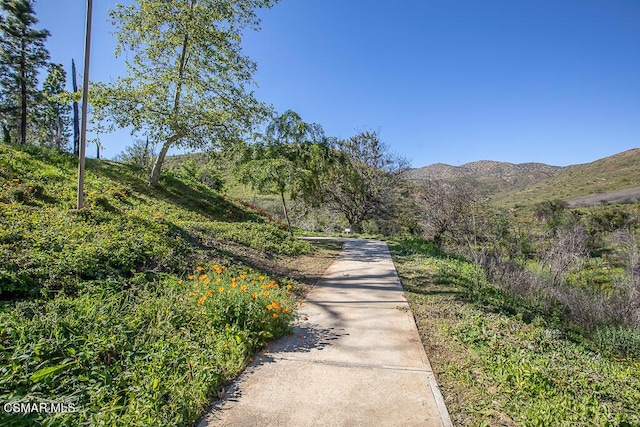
(451, 81)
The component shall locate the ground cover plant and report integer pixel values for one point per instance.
(138, 307)
(498, 365)
(154, 354)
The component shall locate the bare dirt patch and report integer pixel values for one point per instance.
(305, 269)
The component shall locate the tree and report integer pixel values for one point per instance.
(55, 111)
(22, 54)
(288, 161)
(363, 184)
(447, 209)
(141, 153)
(186, 82)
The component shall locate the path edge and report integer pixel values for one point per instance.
(433, 383)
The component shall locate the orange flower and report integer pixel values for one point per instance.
(261, 278)
(254, 295)
(199, 268)
(190, 277)
(218, 280)
(202, 278)
(276, 305)
(275, 315)
(209, 292)
(243, 288)
(265, 293)
(286, 310)
(202, 299)
(179, 282)
(270, 307)
(220, 289)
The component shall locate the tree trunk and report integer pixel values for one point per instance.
(6, 134)
(286, 213)
(154, 178)
(23, 96)
(157, 165)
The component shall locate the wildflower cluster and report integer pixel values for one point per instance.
(241, 300)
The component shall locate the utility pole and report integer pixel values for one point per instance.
(85, 102)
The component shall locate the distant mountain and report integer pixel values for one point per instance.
(602, 179)
(613, 179)
(489, 176)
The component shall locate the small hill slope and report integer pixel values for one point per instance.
(127, 229)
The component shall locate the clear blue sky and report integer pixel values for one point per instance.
(451, 81)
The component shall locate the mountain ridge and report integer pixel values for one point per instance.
(524, 183)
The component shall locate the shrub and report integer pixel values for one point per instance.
(153, 354)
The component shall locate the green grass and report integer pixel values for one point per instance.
(126, 227)
(105, 309)
(495, 368)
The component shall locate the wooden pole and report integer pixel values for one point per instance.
(85, 102)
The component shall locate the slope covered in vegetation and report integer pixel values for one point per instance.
(135, 309)
(612, 173)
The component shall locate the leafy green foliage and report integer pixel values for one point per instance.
(186, 75)
(498, 365)
(153, 354)
(127, 228)
(22, 55)
(126, 329)
(55, 119)
(289, 161)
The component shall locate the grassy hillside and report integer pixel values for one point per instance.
(134, 310)
(612, 173)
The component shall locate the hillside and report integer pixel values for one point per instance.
(490, 177)
(137, 308)
(611, 174)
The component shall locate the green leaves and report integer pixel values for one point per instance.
(45, 373)
(186, 75)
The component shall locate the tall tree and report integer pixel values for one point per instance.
(289, 161)
(187, 79)
(22, 55)
(56, 121)
(364, 185)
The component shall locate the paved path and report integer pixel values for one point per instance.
(355, 358)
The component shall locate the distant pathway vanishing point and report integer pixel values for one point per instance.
(355, 357)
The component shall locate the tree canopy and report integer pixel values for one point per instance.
(22, 55)
(187, 79)
(289, 160)
(363, 185)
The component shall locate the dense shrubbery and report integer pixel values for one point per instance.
(153, 354)
(511, 358)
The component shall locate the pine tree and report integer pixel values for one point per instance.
(22, 54)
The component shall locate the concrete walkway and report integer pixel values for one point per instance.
(355, 358)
